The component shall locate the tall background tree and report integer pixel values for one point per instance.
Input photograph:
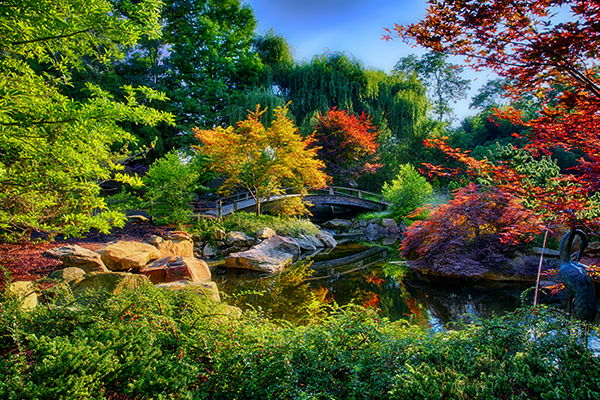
(442, 78)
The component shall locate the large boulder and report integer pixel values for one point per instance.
(207, 288)
(69, 274)
(25, 292)
(271, 255)
(327, 239)
(258, 261)
(177, 269)
(114, 282)
(176, 244)
(78, 257)
(125, 255)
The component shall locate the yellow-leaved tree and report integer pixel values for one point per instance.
(262, 159)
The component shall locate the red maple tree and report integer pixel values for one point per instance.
(546, 47)
(347, 144)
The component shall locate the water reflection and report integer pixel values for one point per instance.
(302, 293)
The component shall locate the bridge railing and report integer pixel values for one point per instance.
(351, 192)
(235, 199)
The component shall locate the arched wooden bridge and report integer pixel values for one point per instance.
(331, 195)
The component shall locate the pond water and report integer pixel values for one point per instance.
(370, 276)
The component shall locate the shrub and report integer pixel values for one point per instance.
(287, 226)
(476, 230)
(169, 188)
(153, 343)
(407, 191)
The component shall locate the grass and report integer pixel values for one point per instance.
(287, 226)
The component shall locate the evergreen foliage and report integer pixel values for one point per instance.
(153, 343)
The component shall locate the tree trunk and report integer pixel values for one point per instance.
(258, 207)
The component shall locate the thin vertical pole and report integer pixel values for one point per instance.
(539, 274)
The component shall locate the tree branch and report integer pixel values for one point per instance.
(42, 39)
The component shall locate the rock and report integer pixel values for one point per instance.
(177, 244)
(388, 222)
(593, 247)
(239, 239)
(337, 223)
(281, 244)
(125, 255)
(373, 231)
(176, 269)
(258, 261)
(69, 274)
(305, 244)
(388, 241)
(271, 255)
(207, 288)
(114, 282)
(25, 292)
(313, 239)
(327, 239)
(265, 233)
(78, 257)
(209, 250)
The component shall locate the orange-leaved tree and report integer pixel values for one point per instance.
(548, 48)
(262, 159)
(347, 144)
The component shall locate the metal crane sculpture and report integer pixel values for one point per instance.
(579, 285)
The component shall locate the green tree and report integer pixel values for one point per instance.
(55, 149)
(170, 185)
(441, 77)
(210, 58)
(407, 191)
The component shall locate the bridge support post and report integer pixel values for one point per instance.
(219, 208)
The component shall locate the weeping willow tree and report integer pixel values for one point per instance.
(401, 107)
(331, 80)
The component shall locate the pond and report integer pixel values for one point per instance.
(370, 276)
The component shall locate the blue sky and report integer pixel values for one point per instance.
(353, 27)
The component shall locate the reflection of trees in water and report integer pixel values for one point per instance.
(389, 287)
(282, 296)
(454, 301)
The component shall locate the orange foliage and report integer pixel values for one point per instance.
(347, 143)
(260, 159)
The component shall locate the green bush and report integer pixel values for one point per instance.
(408, 191)
(250, 223)
(153, 343)
(170, 185)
